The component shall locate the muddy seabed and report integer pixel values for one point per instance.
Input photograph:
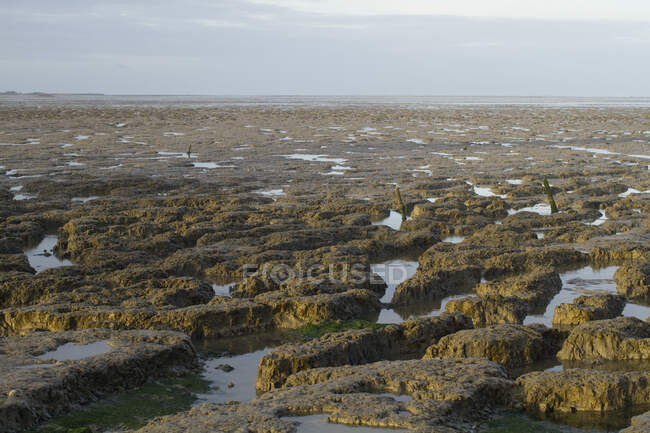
(127, 236)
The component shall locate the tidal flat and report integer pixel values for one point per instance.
(170, 267)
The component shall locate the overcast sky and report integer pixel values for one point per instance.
(414, 47)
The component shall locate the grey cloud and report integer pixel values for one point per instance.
(237, 47)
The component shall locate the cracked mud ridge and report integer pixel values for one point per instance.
(195, 268)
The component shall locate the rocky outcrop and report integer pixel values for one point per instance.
(587, 308)
(35, 387)
(624, 338)
(536, 288)
(234, 317)
(579, 390)
(509, 345)
(448, 396)
(633, 281)
(15, 263)
(426, 286)
(490, 310)
(356, 347)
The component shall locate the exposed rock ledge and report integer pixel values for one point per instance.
(578, 390)
(356, 347)
(34, 389)
(222, 317)
(448, 396)
(624, 338)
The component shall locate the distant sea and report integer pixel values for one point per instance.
(41, 99)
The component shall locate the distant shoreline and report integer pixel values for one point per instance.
(404, 101)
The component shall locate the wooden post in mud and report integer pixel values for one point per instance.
(189, 151)
(400, 203)
(549, 196)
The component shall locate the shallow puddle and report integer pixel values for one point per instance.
(272, 192)
(394, 272)
(486, 192)
(222, 289)
(633, 191)
(539, 208)
(394, 220)
(586, 281)
(211, 165)
(84, 199)
(319, 424)
(600, 220)
(454, 239)
(243, 354)
(42, 257)
(75, 351)
(315, 158)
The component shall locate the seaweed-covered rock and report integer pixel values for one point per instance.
(579, 390)
(535, 288)
(235, 317)
(633, 281)
(448, 396)
(490, 310)
(624, 338)
(436, 284)
(509, 345)
(15, 263)
(587, 308)
(36, 386)
(356, 347)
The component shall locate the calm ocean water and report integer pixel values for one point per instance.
(320, 101)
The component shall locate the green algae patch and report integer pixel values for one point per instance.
(131, 409)
(309, 332)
